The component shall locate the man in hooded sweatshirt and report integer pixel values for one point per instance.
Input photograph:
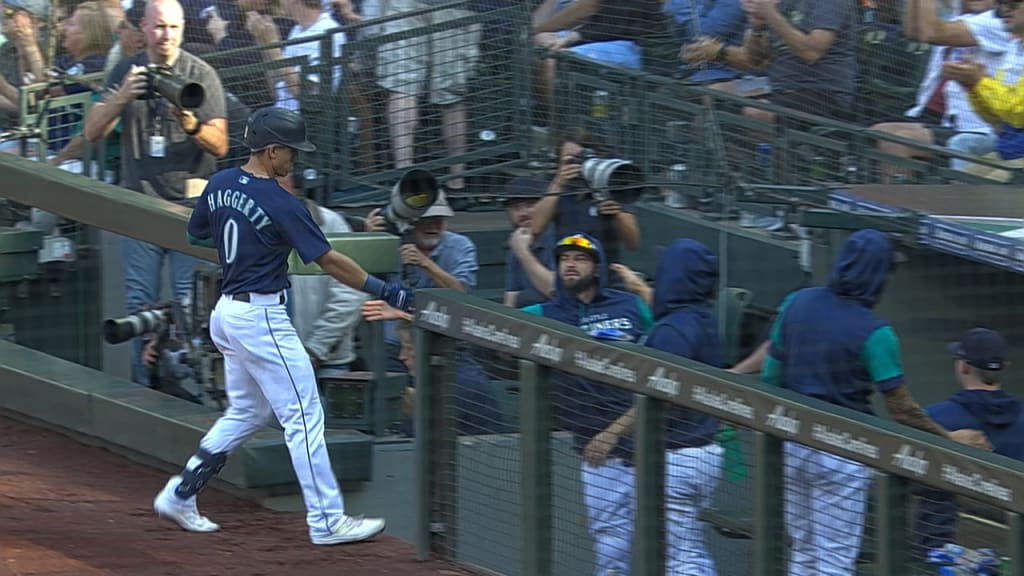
(683, 300)
(585, 407)
(827, 343)
(979, 359)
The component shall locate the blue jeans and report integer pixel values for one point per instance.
(142, 263)
(973, 143)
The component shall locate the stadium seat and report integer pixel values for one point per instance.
(891, 67)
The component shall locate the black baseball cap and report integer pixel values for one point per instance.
(981, 348)
(136, 13)
(524, 188)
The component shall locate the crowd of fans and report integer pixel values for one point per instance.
(566, 248)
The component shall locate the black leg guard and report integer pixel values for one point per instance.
(200, 469)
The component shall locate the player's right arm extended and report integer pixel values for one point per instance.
(348, 272)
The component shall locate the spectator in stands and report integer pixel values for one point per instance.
(828, 344)
(683, 297)
(324, 311)
(530, 262)
(982, 404)
(478, 410)
(945, 114)
(432, 257)
(600, 30)
(22, 56)
(129, 39)
(585, 407)
(88, 38)
(441, 63)
(476, 406)
(288, 83)
(806, 48)
(164, 149)
(724, 19)
(571, 207)
(998, 97)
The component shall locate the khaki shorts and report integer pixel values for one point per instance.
(449, 56)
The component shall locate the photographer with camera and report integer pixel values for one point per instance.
(173, 128)
(590, 197)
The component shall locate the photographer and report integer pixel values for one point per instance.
(570, 203)
(163, 146)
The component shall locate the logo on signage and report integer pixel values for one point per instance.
(844, 441)
(436, 316)
(547, 348)
(913, 461)
(784, 420)
(603, 366)
(664, 383)
(975, 482)
(490, 333)
(721, 401)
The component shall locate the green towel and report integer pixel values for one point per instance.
(735, 465)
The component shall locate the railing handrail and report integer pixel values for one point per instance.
(881, 444)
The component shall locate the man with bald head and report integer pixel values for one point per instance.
(163, 146)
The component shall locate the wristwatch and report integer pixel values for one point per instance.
(194, 131)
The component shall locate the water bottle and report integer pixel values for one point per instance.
(353, 134)
(766, 163)
(600, 106)
(678, 176)
(850, 169)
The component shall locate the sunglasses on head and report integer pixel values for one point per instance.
(577, 241)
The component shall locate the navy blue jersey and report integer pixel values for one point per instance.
(255, 224)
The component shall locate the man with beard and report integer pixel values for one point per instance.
(585, 407)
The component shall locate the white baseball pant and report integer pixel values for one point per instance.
(266, 370)
(610, 498)
(825, 502)
(691, 478)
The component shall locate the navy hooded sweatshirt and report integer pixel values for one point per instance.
(826, 341)
(583, 406)
(996, 413)
(684, 289)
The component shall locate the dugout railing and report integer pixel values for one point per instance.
(526, 509)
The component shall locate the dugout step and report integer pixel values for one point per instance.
(148, 422)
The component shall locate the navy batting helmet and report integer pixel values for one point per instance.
(272, 125)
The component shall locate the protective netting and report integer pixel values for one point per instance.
(481, 93)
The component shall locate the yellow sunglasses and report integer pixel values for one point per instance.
(577, 241)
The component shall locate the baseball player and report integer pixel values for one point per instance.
(828, 343)
(255, 224)
(585, 407)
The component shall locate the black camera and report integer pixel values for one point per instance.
(611, 178)
(118, 330)
(162, 81)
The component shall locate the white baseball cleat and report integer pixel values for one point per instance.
(182, 512)
(352, 529)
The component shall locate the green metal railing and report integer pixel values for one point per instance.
(453, 320)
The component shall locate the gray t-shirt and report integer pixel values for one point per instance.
(837, 70)
(143, 119)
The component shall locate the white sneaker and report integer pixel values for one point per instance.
(352, 529)
(182, 512)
